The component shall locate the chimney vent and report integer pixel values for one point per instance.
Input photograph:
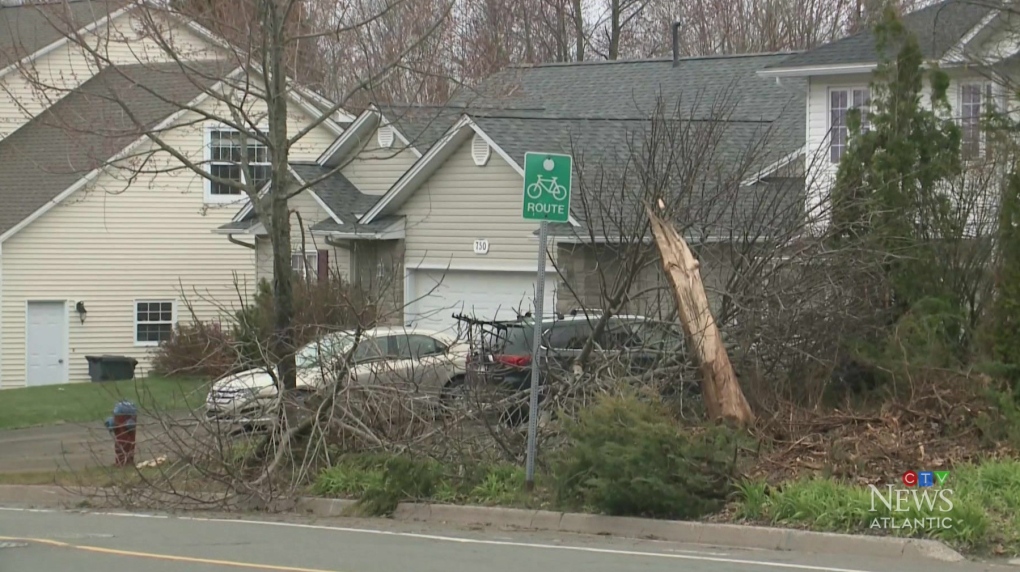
(676, 44)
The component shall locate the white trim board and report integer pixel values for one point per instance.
(426, 166)
(341, 143)
(473, 267)
(953, 54)
(808, 71)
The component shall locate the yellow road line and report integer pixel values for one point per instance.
(165, 557)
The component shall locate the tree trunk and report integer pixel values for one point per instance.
(578, 31)
(719, 386)
(616, 9)
(283, 282)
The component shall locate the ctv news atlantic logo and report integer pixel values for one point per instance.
(923, 502)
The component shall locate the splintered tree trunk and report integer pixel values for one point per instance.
(719, 386)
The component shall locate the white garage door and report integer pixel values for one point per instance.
(483, 294)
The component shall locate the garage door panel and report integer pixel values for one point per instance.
(485, 295)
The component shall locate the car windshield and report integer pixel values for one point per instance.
(329, 347)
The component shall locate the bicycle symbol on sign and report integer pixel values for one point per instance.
(550, 186)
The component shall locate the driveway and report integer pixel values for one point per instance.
(66, 446)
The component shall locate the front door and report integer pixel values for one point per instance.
(46, 343)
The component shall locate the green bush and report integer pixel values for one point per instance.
(627, 457)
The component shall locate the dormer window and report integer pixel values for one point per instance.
(841, 101)
(224, 149)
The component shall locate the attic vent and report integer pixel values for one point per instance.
(480, 150)
(385, 136)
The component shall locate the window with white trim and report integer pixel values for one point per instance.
(305, 265)
(841, 101)
(224, 152)
(154, 321)
(975, 99)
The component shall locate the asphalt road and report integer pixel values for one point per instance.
(31, 541)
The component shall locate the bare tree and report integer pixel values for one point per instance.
(240, 81)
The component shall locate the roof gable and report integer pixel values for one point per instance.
(27, 29)
(938, 28)
(598, 112)
(62, 145)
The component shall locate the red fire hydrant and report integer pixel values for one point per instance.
(123, 426)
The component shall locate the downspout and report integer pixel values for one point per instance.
(231, 238)
(334, 244)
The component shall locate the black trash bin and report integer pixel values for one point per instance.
(111, 368)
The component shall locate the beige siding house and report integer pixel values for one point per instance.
(98, 256)
(353, 171)
(428, 201)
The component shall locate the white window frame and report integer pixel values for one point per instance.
(988, 89)
(866, 124)
(173, 321)
(310, 264)
(209, 197)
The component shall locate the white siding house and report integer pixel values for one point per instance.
(115, 255)
(965, 39)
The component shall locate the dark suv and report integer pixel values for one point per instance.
(504, 355)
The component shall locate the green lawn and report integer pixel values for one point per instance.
(89, 402)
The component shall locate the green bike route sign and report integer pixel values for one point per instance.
(547, 186)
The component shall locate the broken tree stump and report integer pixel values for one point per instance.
(724, 399)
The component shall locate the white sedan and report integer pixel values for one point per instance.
(427, 363)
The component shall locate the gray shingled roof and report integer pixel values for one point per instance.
(628, 89)
(610, 154)
(338, 193)
(938, 28)
(27, 29)
(751, 122)
(85, 129)
(423, 125)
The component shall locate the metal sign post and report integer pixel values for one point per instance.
(546, 198)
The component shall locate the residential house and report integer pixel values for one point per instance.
(970, 41)
(105, 242)
(431, 199)
(452, 220)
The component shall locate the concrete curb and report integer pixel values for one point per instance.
(732, 535)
